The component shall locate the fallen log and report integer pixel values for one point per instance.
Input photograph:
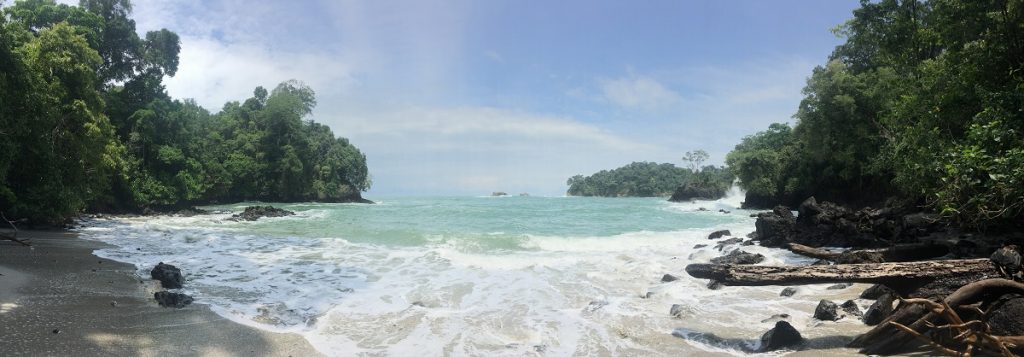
(890, 274)
(897, 253)
(13, 237)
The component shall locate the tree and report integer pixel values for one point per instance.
(694, 159)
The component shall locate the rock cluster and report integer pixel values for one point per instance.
(253, 213)
(169, 276)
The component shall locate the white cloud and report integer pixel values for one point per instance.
(213, 72)
(639, 92)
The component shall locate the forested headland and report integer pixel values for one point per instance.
(86, 124)
(649, 179)
(922, 103)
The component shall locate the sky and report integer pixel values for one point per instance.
(471, 97)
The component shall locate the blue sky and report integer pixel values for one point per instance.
(470, 97)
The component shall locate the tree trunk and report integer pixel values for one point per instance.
(898, 253)
(889, 274)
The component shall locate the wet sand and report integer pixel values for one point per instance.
(56, 298)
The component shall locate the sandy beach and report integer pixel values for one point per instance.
(56, 298)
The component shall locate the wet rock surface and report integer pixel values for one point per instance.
(169, 276)
(169, 299)
(253, 213)
(781, 336)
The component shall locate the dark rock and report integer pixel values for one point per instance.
(1007, 260)
(724, 211)
(788, 291)
(839, 286)
(719, 234)
(714, 284)
(920, 220)
(677, 310)
(698, 246)
(169, 299)
(775, 318)
(726, 242)
(738, 257)
(668, 277)
(56, 331)
(879, 310)
(253, 213)
(747, 242)
(826, 311)
(1005, 317)
(499, 194)
(691, 191)
(875, 291)
(169, 276)
(860, 257)
(781, 336)
(773, 228)
(850, 307)
(648, 295)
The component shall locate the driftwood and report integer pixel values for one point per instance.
(889, 274)
(897, 253)
(13, 236)
(893, 334)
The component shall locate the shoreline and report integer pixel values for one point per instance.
(99, 306)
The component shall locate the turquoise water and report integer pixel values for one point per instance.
(470, 276)
(484, 223)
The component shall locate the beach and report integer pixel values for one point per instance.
(57, 298)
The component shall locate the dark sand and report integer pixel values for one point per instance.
(58, 285)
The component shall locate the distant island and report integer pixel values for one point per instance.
(650, 179)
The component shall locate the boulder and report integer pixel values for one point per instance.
(253, 213)
(788, 291)
(738, 257)
(839, 286)
(1005, 317)
(719, 234)
(783, 335)
(875, 291)
(677, 310)
(169, 276)
(726, 242)
(668, 278)
(714, 284)
(826, 311)
(169, 299)
(698, 246)
(879, 310)
(851, 308)
(773, 228)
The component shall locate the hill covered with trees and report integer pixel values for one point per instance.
(922, 103)
(85, 122)
(649, 179)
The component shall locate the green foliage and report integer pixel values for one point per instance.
(85, 122)
(646, 179)
(923, 100)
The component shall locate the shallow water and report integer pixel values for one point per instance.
(513, 276)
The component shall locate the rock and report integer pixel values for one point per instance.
(1007, 260)
(826, 311)
(723, 243)
(648, 295)
(724, 211)
(775, 318)
(879, 310)
(738, 257)
(1005, 316)
(677, 310)
(920, 220)
(498, 194)
(719, 234)
(56, 331)
(191, 212)
(691, 191)
(524, 194)
(253, 213)
(668, 278)
(773, 228)
(169, 299)
(698, 246)
(839, 286)
(875, 291)
(788, 291)
(169, 276)
(850, 307)
(781, 336)
(714, 284)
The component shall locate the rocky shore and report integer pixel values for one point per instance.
(56, 298)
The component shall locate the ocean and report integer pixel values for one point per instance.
(474, 276)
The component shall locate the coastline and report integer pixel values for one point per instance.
(59, 285)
